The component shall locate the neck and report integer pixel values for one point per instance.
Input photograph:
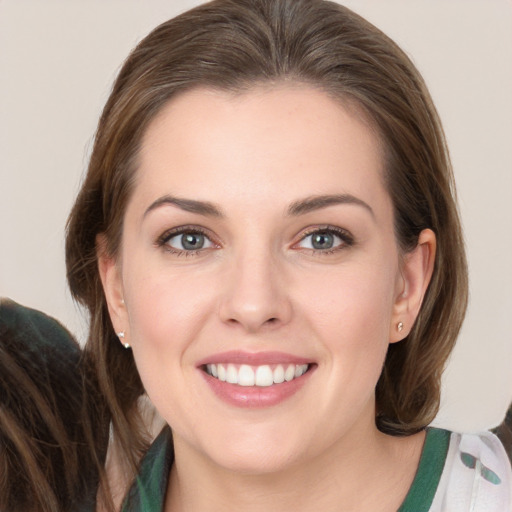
(364, 471)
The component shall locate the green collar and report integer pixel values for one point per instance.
(424, 487)
(148, 491)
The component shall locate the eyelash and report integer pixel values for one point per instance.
(164, 238)
(346, 238)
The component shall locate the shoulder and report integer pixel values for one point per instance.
(476, 475)
(148, 490)
(44, 422)
(34, 330)
(39, 363)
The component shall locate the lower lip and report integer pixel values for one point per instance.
(256, 396)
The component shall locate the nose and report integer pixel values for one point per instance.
(255, 293)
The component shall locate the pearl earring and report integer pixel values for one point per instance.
(120, 335)
(399, 326)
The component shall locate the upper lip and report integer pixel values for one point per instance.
(253, 358)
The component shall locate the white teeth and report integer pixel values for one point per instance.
(279, 374)
(299, 370)
(246, 376)
(232, 374)
(221, 371)
(261, 376)
(264, 376)
(289, 374)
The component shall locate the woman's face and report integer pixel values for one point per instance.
(258, 244)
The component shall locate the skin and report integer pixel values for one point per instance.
(259, 285)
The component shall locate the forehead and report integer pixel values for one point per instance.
(285, 139)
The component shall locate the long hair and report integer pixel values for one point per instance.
(504, 432)
(233, 45)
(52, 438)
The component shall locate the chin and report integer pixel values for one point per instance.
(256, 453)
(257, 462)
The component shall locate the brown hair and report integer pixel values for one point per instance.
(504, 432)
(50, 432)
(233, 45)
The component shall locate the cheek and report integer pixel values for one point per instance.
(356, 299)
(351, 319)
(163, 306)
(169, 311)
(166, 315)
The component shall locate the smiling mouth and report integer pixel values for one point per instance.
(260, 376)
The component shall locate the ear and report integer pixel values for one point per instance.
(416, 272)
(111, 279)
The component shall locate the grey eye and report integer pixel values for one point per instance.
(321, 240)
(189, 241)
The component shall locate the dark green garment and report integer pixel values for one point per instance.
(147, 494)
(423, 488)
(43, 398)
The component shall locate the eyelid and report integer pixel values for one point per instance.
(162, 240)
(346, 237)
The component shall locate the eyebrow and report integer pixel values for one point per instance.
(313, 203)
(300, 207)
(189, 205)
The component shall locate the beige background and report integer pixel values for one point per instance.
(58, 60)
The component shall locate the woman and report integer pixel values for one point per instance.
(269, 247)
